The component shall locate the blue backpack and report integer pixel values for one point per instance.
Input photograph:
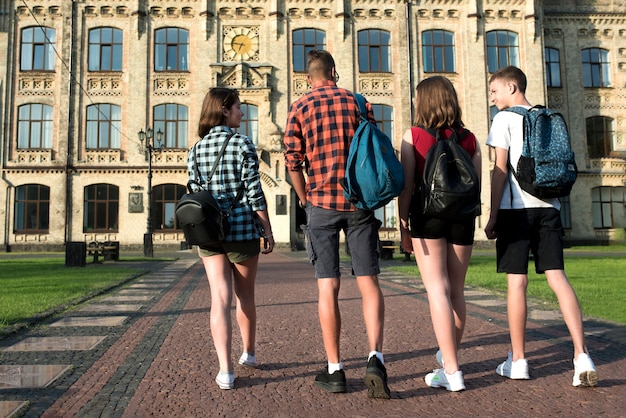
(374, 176)
(547, 168)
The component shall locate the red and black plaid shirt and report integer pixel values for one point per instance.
(319, 129)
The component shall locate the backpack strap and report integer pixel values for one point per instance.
(360, 100)
(455, 136)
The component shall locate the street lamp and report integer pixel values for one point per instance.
(150, 144)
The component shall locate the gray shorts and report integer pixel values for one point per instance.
(322, 241)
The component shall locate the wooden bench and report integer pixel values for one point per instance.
(387, 248)
(107, 250)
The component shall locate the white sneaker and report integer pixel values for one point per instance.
(585, 373)
(225, 380)
(439, 358)
(440, 379)
(513, 369)
(247, 359)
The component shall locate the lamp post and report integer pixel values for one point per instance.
(150, 144)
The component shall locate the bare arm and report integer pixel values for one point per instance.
(299, 183)
(499, 179)
(407, 157)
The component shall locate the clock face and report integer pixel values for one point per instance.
(241, 43)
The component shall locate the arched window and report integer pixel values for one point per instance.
(37, 49)
(32, 209)
(502, 49)
(34, 126)
(600, 136)
(438, 51)
(596, 71)
(305, 40)
(173, 120)
(171, 49)
(250, 122)
(553, 67)
(374, 51)
(103, 126)
(105, 49)
(101, 210)
(165, 197)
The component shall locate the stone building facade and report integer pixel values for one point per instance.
(80, 79)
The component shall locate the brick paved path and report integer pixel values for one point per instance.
(161, 361)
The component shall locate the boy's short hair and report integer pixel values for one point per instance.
(512, 74)
(320, 62)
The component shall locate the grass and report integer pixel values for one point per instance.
(598, 280)
(33, 286)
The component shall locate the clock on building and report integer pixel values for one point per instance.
(242, 43)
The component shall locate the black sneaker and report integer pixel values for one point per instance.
(335, 383)
(376, 379)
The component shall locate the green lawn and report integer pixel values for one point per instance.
(599, 280)
(32, 286)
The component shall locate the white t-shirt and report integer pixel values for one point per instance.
(507, 132)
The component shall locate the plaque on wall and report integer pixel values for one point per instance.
(135, 202)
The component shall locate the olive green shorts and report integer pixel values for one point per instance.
(236, 251)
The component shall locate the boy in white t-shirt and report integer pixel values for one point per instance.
(523, 223)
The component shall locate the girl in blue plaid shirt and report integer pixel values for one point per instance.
(236, 182)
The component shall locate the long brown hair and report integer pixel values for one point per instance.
(211, 113)
(436, 104)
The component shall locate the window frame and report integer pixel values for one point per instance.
(114, 47)
(598, 71)
(170, 46)
(107, 126)
(164, 200)
(437, 52)
(600, 138)
(110, 206)
(603, 199)
(44, 46)
(300, 50)
(28, 127)
(504, 53)
(175, 130)
(249, 126)
(553, 67)
(377, 49)
(23, 204)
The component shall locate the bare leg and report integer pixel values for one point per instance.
(218, 270)
(431, 257)
(245, 275)
(330, 317)
(373, 311)
(517, 313)
(568, 302)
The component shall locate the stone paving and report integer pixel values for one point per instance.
(145, 350)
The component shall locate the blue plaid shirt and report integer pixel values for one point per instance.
(238, 167)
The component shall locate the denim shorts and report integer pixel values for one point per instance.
(236, 251)
(537, 230)
(322, 241)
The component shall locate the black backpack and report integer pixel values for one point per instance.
(450, 187)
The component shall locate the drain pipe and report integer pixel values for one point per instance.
(69, 168)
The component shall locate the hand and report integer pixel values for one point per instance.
(490, 229)
(406, 243)
(268, 243)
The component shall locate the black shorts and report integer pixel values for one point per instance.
(537, 230)
(459, 232)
